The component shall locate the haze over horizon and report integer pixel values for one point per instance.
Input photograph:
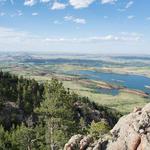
(75, 26)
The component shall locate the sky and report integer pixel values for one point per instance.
(75, 26)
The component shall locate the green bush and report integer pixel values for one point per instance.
(98, 129)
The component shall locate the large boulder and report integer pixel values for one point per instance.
(73, 143)
(132, 132)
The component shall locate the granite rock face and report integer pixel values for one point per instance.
(79, 142)
(132, 132)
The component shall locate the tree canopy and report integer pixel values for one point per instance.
(43, 116)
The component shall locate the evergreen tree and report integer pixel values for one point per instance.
(58, 114)
(57, 109)
(5, 141)
(22, 138)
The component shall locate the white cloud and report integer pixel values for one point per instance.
(79, 21)
(19, 13)
(131, 17)
(80, 3)
(131, 36)
(68, 18)
(30, 2)
(57, 6)
(11, 39)
(12, 2)
(35, 14)
(148, 18)
(2, 14)
(8, 35)
(108, 1)
(122, 37)
(57, 22)
(44, 1)
(106, 17)
(121, 9)
(129, 4)
(75, 19)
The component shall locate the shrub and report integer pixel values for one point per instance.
(98, 129)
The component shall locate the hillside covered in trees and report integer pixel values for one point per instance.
(43, 116)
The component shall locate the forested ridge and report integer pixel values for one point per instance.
(43, 116)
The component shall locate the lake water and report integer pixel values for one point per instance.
(129, 81)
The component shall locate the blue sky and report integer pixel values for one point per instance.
(78, 26)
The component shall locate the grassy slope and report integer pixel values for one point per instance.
(124, 102)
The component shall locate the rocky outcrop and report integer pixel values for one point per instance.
(79, 142)
(11, 114)
(132, 132)
(90, 112)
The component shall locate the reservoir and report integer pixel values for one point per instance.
(130, 81)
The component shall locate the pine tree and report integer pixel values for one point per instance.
(23, 138)
(57, 109)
